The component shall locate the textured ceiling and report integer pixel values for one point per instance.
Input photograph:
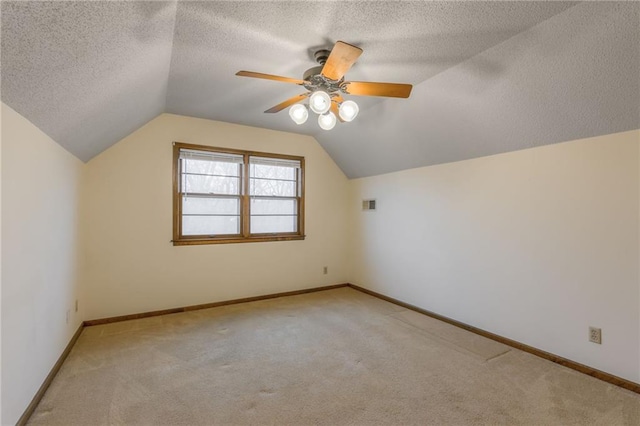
(574, 76)
(490, 76)
(86, 73)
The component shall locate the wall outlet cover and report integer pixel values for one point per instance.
(595, 335)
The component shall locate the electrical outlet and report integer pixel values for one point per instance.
(595, 335)
(76, 305)
(68, 314)
(325, 270)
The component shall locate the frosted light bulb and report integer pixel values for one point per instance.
(320, 102)
(327, 121)
(348, 110)
(298, 113)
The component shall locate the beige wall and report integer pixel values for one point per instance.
(131, 265)
(534, 245)
(40, 257)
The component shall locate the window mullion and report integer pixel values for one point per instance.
(245, 197)
(298, 189)
(177, 196)
(300, 193)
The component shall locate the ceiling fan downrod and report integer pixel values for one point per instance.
(322, 55)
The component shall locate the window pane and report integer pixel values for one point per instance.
(210, 167)
(273, 224)
(274, 207)
(210, 225)
(210, 184)
(210, 205)
(279, 188)
(273, 172)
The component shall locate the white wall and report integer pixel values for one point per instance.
(131, 265)
(1, 267)
(40, 255)
(533, 245)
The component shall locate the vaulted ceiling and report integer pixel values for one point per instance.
(489, 77)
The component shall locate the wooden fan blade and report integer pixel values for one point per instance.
(269, 77)
(288, 102)
(364, 88)
(335, 107)
(340, 60)
(335, 111)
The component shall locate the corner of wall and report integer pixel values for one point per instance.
(41, 257)
(638, 144)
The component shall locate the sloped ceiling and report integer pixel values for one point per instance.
(489, 76)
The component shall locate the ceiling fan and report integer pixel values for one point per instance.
(325, 86)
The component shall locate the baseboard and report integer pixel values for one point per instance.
(45, 385)
(209, 305)
(609, 378)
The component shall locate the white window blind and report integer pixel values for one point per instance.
(275, 162)
(211, 186)
(191, 154)
(274, 190)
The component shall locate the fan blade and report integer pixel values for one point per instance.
(335, 107)
(364, 88)
(269, 77)
(341, 58)
(335, 111)
(287, 103)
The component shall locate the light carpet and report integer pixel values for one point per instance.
(337, 357)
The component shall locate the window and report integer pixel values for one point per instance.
(230, 196)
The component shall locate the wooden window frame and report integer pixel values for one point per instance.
(245, 205)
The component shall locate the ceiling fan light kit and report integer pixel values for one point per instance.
(348, 110)
(326, 85)
(327, 121)
(320, 102)
(299, 113)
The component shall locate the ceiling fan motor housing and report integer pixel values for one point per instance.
(311, 72)
(315, 80)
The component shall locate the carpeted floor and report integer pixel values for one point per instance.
(336, 357)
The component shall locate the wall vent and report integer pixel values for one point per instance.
(368, 205)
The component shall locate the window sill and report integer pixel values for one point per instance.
(201, 241)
